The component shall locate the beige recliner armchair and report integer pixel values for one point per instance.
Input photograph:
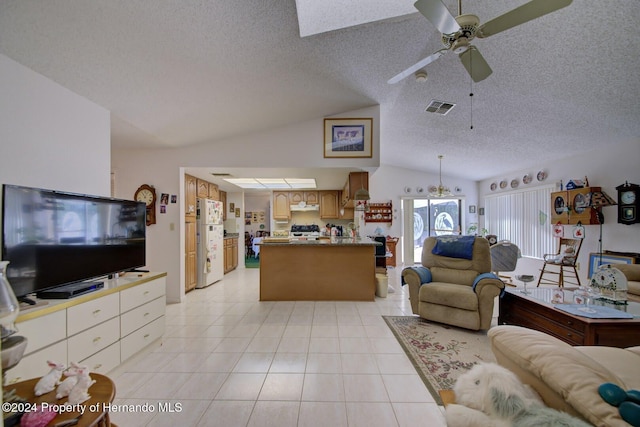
(452, 286)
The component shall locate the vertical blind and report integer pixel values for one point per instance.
(522, 217)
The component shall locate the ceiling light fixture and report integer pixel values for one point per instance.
(421, 76)
(440, 190)
(273, 183)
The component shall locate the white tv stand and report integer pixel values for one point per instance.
(101, 329)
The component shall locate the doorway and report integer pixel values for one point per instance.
(424, 217)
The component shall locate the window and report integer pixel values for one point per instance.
(522, 217)
(431, 217)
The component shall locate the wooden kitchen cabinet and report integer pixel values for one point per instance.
(203, 189)
(355, 182)
(281, 210)
(230, 254)
(191, 255)
(213, 192)
(329, 204)
(190, 196)
(573, 206)
(223, 199)
(234, 253)
(309, 197)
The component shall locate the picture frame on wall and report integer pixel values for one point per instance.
(472, 209)
(481, 211)
(348, 138)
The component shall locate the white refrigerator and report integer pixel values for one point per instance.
(210, 242)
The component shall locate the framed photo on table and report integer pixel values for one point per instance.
(350, 138)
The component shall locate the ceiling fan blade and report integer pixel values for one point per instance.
(475, 64)
(428, 60)
(437, 13)
(527, 12)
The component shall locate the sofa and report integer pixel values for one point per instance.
(456, 288)
(567, 378)
(632, 273)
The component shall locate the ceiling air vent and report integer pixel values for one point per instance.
(439, 107)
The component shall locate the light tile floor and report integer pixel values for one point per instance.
(227, 359)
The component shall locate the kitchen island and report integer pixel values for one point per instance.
(335, 269)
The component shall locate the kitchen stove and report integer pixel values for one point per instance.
(305, 232)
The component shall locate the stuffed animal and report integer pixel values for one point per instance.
(489, 395)
(49, 382)
(79, 392)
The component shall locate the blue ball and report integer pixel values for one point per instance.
(612, 394)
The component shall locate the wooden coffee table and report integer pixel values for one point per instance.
(536, 311)
(102, 394)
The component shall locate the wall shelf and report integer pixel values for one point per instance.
(379, 212)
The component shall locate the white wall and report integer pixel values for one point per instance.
(606, 168)
(49, 136)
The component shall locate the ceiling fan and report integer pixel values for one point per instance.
(458, 32)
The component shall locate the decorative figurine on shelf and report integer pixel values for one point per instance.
(67, 385)
(51, 380)
(79, 392)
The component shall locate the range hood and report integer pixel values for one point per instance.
(303, 207)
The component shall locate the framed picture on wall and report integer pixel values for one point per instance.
(348, 138)
(472, 209)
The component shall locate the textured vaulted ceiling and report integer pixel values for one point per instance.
(180, 72)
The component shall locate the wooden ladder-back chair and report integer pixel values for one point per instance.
(560, 268)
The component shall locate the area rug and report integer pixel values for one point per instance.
(439, 353)
(251, 262)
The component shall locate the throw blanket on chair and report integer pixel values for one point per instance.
(424, 273)
(486, 276)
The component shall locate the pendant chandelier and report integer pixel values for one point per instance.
(440, 190)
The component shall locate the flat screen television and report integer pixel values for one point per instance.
(53, 238)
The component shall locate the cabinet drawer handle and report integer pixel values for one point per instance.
(95, 312)
(146, 336)
(145, 315)
(569, 322)
(96, 339)
(98, 366)
(146, 293)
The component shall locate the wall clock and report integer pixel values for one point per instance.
(147, 194)
(628, 203)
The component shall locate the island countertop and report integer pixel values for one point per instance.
(333, 241)
(335, 269)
